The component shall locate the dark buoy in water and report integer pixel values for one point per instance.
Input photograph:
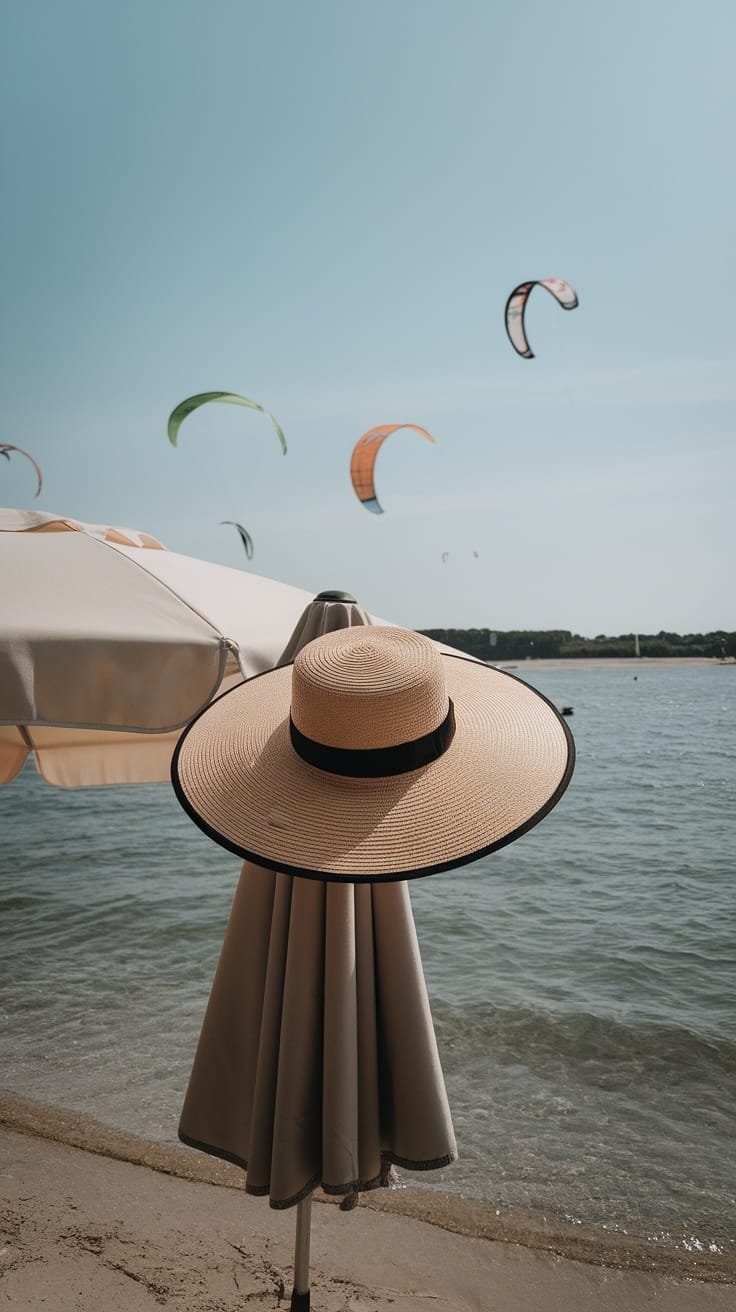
(567, 710)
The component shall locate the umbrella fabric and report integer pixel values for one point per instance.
(109, 644)
(317, 1062)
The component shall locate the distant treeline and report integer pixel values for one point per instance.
(550, 644)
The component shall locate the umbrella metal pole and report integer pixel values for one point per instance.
(300, 1294)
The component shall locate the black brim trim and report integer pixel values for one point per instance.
(388, 876)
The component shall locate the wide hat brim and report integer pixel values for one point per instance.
(238, 776)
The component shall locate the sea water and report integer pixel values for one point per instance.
(582, 980)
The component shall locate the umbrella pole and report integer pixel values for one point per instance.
(300, 1294)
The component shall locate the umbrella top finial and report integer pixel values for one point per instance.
(333, 595)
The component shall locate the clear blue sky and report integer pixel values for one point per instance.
(324, 205)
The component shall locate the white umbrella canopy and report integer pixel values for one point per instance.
(109, 644)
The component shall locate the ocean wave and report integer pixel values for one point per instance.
(535, 1035)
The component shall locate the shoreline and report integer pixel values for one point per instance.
(614, 663)
(453, 1214)
(82, 1233)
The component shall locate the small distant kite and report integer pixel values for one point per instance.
(184, 408)
(446, 556)
(364, 458)
(563, 293)
(245, 536)
(7, 447)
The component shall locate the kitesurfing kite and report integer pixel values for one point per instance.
(7, 447)
(364, 458)
(245, 536)
(446, 556)
(563, 293)
(184, 408)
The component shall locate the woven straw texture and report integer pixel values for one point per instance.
(241, 780)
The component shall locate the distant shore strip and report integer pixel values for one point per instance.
(496, 645)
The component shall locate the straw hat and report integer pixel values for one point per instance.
(373, 757)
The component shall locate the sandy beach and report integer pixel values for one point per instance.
(133, 1226)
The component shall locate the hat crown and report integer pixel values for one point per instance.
(368, 688)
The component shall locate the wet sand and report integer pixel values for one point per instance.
(91, 1218)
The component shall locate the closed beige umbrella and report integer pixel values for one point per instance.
(373, 759)
(317, 1063)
